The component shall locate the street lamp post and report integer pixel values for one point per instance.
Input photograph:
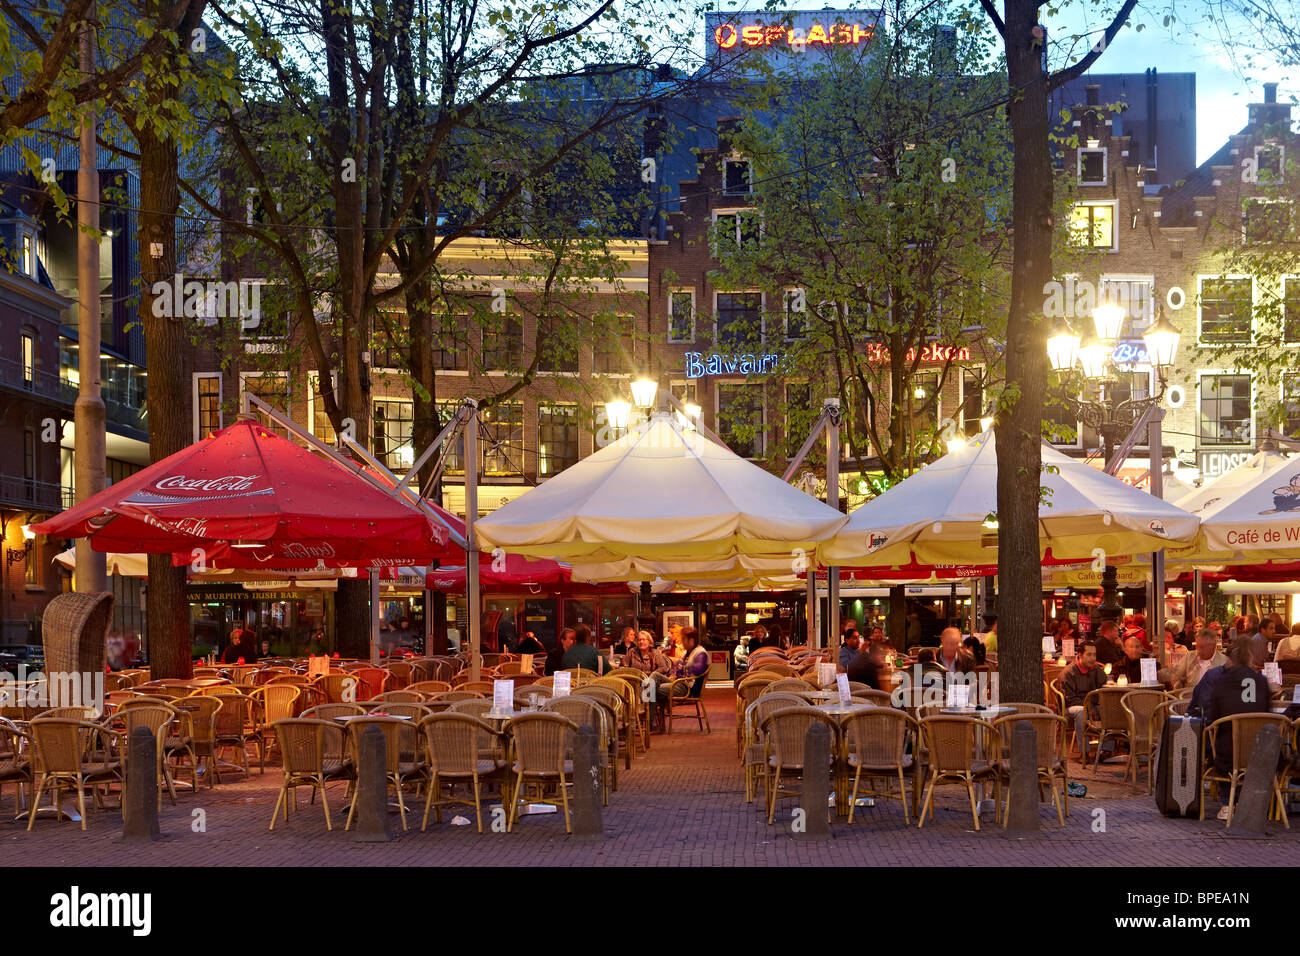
(618, 413)
(1113, 420)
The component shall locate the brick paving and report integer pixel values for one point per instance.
(680, 805)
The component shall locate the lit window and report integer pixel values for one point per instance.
(1092, 225)
(503, 439)
(393, 429)
(557, 437)
(207, 405)
(1225, 410)
(1226, 309)
(739, 317)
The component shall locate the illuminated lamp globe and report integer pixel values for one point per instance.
(1063, 349)
(1092, 356)
(643, 392)
(1109, 320)
(1162, 343)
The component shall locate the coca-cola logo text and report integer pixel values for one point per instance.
(225, 483)
(297, 549)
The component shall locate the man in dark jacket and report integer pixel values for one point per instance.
(1234, 688)
(1079, 680)
(555, 657)
(1109, 650)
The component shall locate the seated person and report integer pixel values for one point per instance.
(849, 652)
(582, 654)
(1082, 677)
(976, 648)
(1108, 644)
(1220, 694)
(1191, 668)
(555, 657)
(529, 644)
(740, 656)
(1130, 665)
(867, 667)
(955, 658)
(694, 663)
(626, 642)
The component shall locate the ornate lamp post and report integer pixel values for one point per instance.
(1112, 419)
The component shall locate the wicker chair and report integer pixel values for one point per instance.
(1050, 762)
(785, 731)
(71, 713)
(774, 666)
(69, 752)
(162, 720)
(404, 756)
(693, 697)
(753, 752)
(875, 744)
(953, 747)
(15, 761)
(236, 724)
(1244, 727)
(308, 760)
(427, 687)
(398, 697)
(275, 702)
(481, 686)
(881, 698)
(1140, 707)
(590, 712)
(540, 744)
(399, 674)
(787, 685)
(1111, 722)
(199, 720)
(455, 754)
(340, 688)
(374, 681)
(615, 703)
(74, 629)
(333, 711)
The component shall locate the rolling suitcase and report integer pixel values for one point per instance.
(1178, 767)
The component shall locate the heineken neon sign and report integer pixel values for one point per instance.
(748, 363)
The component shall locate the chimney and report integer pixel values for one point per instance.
(1093, 94)
(1270, 92)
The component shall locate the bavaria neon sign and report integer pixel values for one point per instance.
(698, 365)
(728, 36)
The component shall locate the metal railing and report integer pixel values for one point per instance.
(23, 378)
(27, 493)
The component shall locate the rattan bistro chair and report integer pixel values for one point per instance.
(540, 744)
(427, 687)
(1244, 728)
(163, 721)
(1111, 722)
(754, 749)
(15, 761)
(455, 755)
(1140, 708)
(590, 712)
(199, 717)
(692, 696)
(875, 746)
(785, 731)
(954, 747)
(71, 753)
(404, 757)
(308, 760)
(275, 702)
(1051, 763)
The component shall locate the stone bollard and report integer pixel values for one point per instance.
(371, 796)
(816, 782)
(140, 801)
(1256, 793)
(1022, 805)
(587, 822)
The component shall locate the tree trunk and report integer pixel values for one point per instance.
(167, 607)
(1019, 426)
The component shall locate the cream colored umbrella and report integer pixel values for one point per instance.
(126, 564)
(946, 513)
(1253, 520)
(662, 501)
(1230, 483)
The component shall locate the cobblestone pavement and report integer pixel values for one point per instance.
(681, 805)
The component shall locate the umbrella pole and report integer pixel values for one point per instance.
(810, 624)
(374, 616)
(1156, 603)
(832, 407)
(471, 553)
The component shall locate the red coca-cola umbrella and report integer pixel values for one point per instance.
(246, 497)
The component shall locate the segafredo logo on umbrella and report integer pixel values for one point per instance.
(876, 540)
(1158, 527)
(201, 489)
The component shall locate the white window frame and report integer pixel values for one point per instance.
(1282, 281)
(961, 394)
(537, 432)
(1281, 163)
(762, 310)
(939, 379)
(27, 250)
(678, 290)
(736, 212)
(1204, 373)
(245, 376)
(717, 411)
(312, 389)
(1105, 165)
(1262, 201)
(1254, 297)
(1129, 278)
(749, 175)
(1281, 383)
(1114, 232)
(194, 396)
(250, 197)
(251, 335)
(27, 340)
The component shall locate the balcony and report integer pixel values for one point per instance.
(14, 377)
(26, 494)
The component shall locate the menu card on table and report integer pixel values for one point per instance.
(825, 674)
(842, 682)
(1067, 647)
(318, 666)
(1273, 672)
(1049, 645)
(503, 695)
(563, 684)
(525, 663)
(958, 695)
(1295, 694)
(1148, 665)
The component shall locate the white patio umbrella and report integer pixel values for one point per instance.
(1230, 483)
(946, 514)
(1256, 519)
(662, 501)
(126, 564)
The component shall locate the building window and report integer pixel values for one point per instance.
(796, 320)
(390, 343)
(737, 178)
(1129, 386)
(207, 404)
(1092, 167)
(738, 319)
(1135, 295)
(1291, 403)
(799, 416)
(29, 464)
(451, 342)
(321, 426)
(503, 440)
(1092, 225)
(1291, 309)
(454, 461)
(557, 350)
(925, 406)
(1225, 410)
(503, 343)
(972, 402)
(393, 428)
(29, 255)
(740, 419)
(681, 316)
(738, 230)
(29, 360)
(255, 208)
(613, 350)
(1226, 310)
(1270, 163)
(1265, 220)
(273, 389)
(262, 307)
(557, 437)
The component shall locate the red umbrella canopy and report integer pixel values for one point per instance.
(246, 489)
